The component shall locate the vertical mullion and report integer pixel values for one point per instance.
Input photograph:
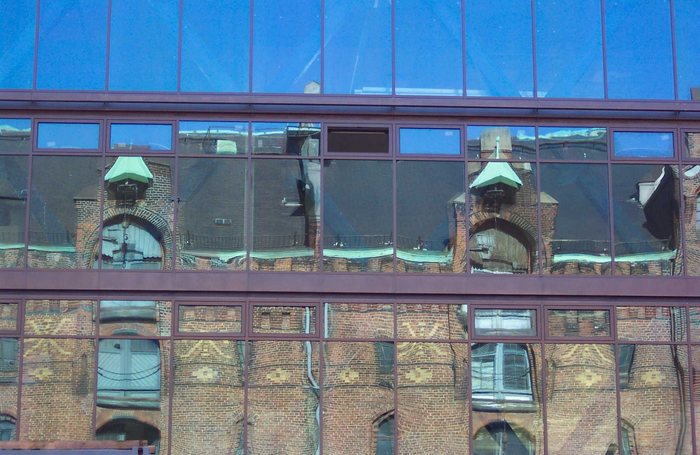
(96, 359)
(539, 247)
(171, 379)
(35, 60)
(179, 46)
(464, 46)
(605, 49)
(108, 45)
(611, 211)
(175, 196)
(533, 12)
(396, 380)
(322, 45)
(394, 198)
(543, 391)
(691, 380)
(251, 31)
(20, 366)
(618, 405)
(246, 327)
(249, 194)
(393, 52)
(674, 56)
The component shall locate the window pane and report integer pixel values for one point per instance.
(638, 40)
(17, 30)
(647, 323)
(209, 319)
(286, 217)
(8, 316)
(432, 321)
(435, 241)
(60, 317)
(70, 28)
(499, 48)
(569, 50)
(575, 219)
(15, 135)
(63, 218)
(429, 141)
(215, 45)
(68, 136)
(643, 144)
(572, 143)
(645, 209)
(13, 206)
(211, 216)
(692, 144)
(428, 47)
(578, 323)
(358, 320)
(691, 197)
(9, 373)
(687, 48)
(357, 209)
(140, 137)
(284, 319)
(220, 138)
(143, 45)
(135, 317)
(501, 142)
(293, 138)
(358, 140)
(287, 46)
(358, 52)
(505, 322)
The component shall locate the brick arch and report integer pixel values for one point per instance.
(512, 224)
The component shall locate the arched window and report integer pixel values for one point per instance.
(128, 374)
(128, 244)
(385, 435)
(500, 375)
(129, 430)
(500, 438)
(7, 427)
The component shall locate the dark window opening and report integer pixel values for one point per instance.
(350, 140)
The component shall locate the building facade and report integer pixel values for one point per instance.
(370, 227)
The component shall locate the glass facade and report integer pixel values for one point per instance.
(371, 227)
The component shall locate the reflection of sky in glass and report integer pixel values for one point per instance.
(213, 127)
(429, 141)
(68, 135)
(523, 133)
(143, 45)
(357, 47)
(573, 142)
(638, 39)
(428, 47)
(153, 137)
(569, 49)
(215, 45)
(687, 14)
(286, 45)
(72, 45)
(522, 140)
(499, 48)
(643, 144)
(21, 124)
(17, 25)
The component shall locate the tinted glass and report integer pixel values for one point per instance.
(13, 206)
(358, 140)
(510, 322)
(429, 141)
(691, 144)
(569, 50)
(126, 136)
(15, 135)
(215, 45)
(428, 47)
(358, 320)
(358, 52)
(499, 48)
(60, 317)
(578, 323)
(209, 319)
(135, 317)
(691, 195)
(647, 323)
(17, 30)
(295, 320)
(8, 316)
(432, 321)
(687, 48)
(72, 45)
(143, 45)
(220, 138)
(292, 138)
(643, 145)
(638, 40)
(287, 46)
(572, 143)
(501, 142)
(68, 136)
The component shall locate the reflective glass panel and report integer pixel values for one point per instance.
(575, 219)
(358, 396)
(143, 45)
(15, 135)
(501, 142)
(572, 143)
(219, 138)
(691, 144)
(434, 241)
(8, 316)
(17, 30)
(284, 319)
(499, 48)
(358, 140)
(506, 398)
(57, 380)
(215, 45)
(63, 217)
(428, 38)
(691, 198)
(491, 322)
(432, 321)
(292, 138)
(581, 411)
(357, 209)
(578, 323)
(287, 46)
(140, 137)
(695, 365)
(638, 44)
(284, 388)
(9, 373)
(84, 136)
(137, 229)
(135, 317)
(209, 319)
(648, 323)
(432, 410)
(429, 141)
(645, 223)
(357, 47)
(211, 216)
(654, 399)
(59, 317)
(569, 50)
(687, 48)
(13, 207)
(286, 218)
(209, 373)
(72, 45)
(643, 144)
(358, 320)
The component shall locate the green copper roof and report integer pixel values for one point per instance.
(129, 168)
(497, 172)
